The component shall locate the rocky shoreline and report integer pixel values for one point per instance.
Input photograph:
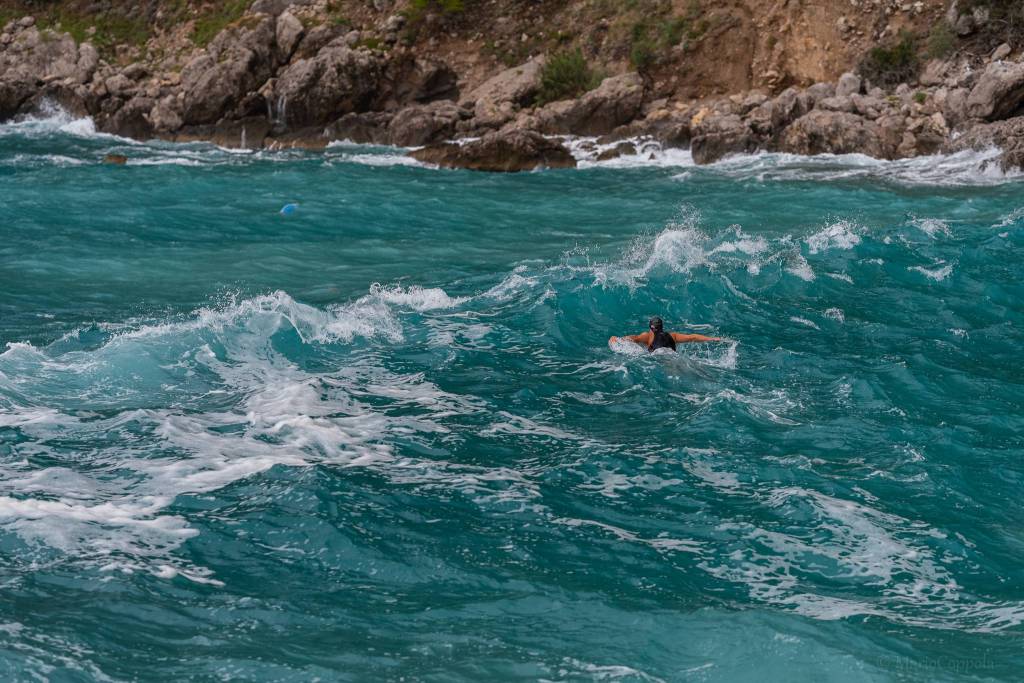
(269, 82)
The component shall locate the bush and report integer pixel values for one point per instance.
(941, 41)
(652, 39)
(445, 6)
(418, 10)
(566, 75)
(642, 55)
(887, 66)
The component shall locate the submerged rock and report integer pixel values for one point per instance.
(115, 159)
(621, 149)
(515, 150)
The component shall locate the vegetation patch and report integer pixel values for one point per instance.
(941, 41)
(7, 14)
(419, 9)
(105, 31)
(888, 66)
(336, 15)
(652, 39)
(566, 75)
(216, 18)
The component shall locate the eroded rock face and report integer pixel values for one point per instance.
(833, 132)
(849, 84)
(33, 59)
(504, 151)
(13, 94)
(288, 31)
(131, 119)
(496, 101)
(338, 81)
(999, 93)
(618, 100)
(237, 62)
(1008, 135)
(413, 79)
(366, 128)
(423, 124)
(716, 136)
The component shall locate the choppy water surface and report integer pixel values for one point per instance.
(384, 438)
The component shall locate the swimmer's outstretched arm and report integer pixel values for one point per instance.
(685, 338)
(644, 338)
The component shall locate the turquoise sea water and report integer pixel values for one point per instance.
(384, 438)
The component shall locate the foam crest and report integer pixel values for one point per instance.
(51, 119)
(899, 558)
(933, 227)
(646, 153)
(838, 235)
(415, 297)
(938, 273)
(967, 168)
(266, 314)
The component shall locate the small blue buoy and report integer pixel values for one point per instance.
(289, 209)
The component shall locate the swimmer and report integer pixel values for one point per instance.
(658, 338)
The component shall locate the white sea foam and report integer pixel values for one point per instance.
(415, 297)
(933, 227)
(285, 416)
(940, 272)
(512, 284)
(805, 322)
(52, 119)
(962, 168)
(835, 314)
(1010, 219)
(838, 235)
(797, 265)
(647, 153)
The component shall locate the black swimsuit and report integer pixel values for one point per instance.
(662, 340)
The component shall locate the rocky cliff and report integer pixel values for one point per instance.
(881, 77)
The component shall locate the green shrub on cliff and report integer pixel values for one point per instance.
(643, 55)
(941, 41)
(887, 66)
(444, 6)
(565, 75)
(651, 39)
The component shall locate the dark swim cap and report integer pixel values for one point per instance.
(656, 324)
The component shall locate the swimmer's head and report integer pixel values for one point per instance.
(657, 325)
